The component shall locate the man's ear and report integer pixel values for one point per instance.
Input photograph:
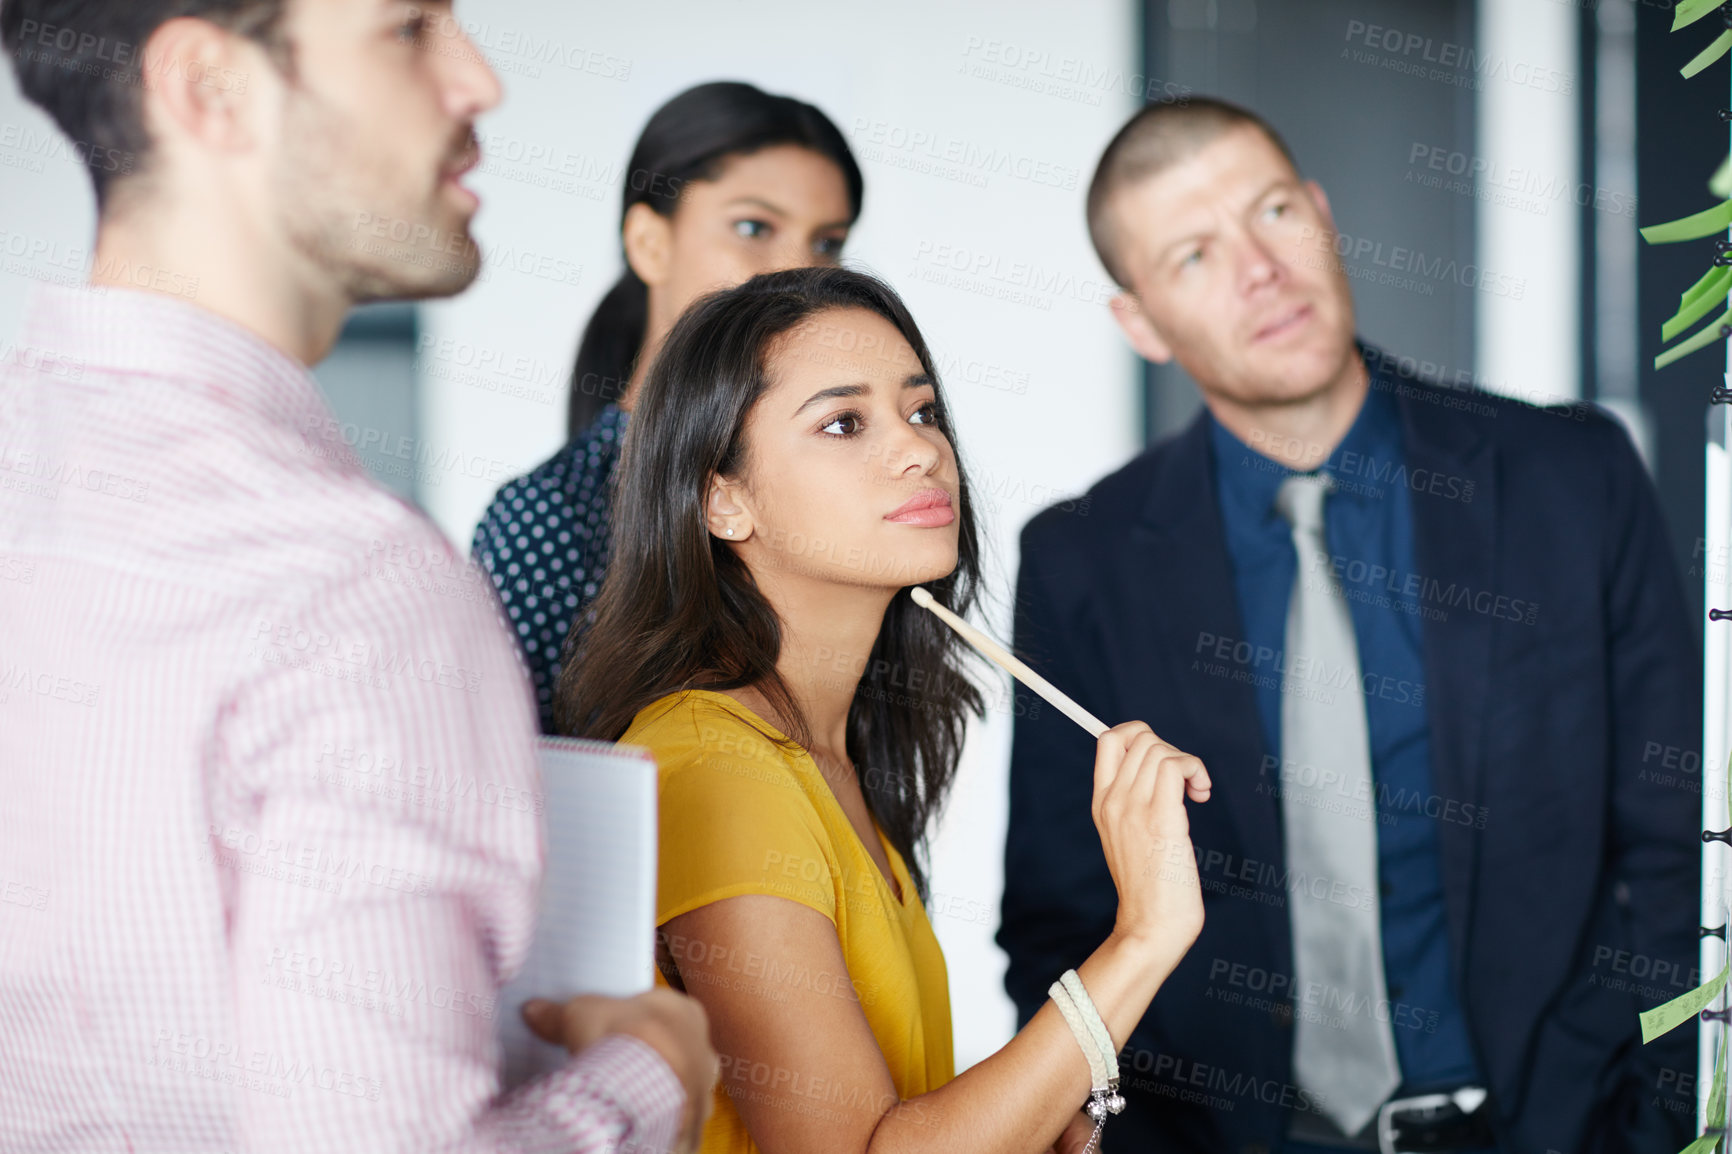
(1138, 329)
(648, 237)
(194, 75)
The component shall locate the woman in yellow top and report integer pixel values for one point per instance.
(789, 473)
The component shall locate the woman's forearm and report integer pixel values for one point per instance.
(1021, 1098)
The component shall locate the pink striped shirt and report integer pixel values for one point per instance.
(270, 833)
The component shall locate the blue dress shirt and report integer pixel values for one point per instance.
(1368, 526)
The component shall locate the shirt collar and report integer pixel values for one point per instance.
(1247, 480)
(133, 332)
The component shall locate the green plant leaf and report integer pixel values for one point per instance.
(1708, 55)
(1705, 285)
(1680, 1009)
(1708, 284)
(1720, 184)
(1716, 1112)
(1717, 1096)
(1703, 1145)
(1713, 291)
(1693, 227)
(1701, 339)
(1689, 11)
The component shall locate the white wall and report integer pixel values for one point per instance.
(47, 208)
(1528, 120)
(1044, 390)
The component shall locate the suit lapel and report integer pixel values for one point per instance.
(1455, 545)
(1176, 556)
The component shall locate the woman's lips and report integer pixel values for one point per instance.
(929, 508)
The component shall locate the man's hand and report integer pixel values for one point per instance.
(672, 1024)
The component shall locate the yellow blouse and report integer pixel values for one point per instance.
(742, 814)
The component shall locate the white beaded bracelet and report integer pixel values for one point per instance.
(1079, 1013)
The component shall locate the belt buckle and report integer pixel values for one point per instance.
(1468, 1099)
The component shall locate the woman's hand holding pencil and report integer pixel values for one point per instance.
(1139, 809)
(1141, 783)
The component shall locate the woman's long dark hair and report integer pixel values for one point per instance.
(689, 138)
(680, 610)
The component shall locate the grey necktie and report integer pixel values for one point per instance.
(1343, 1048)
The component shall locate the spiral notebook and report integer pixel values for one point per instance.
(595, 925)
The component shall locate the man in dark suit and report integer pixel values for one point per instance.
(1432, 647)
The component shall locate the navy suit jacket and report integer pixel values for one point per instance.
(1570, 877)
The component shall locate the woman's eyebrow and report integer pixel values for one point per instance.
(854, 390)
(860, 389)
(758, 202)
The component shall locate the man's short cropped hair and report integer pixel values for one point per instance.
(81, 61)
(1161, 135)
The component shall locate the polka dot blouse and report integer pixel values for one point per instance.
(544, 541)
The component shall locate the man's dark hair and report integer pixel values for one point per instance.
(1161, 135)
(81, 61)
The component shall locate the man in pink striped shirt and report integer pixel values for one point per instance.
(269, 819)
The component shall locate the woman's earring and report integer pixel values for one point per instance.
(730, 530)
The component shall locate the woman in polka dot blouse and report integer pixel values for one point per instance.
(726, 182)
